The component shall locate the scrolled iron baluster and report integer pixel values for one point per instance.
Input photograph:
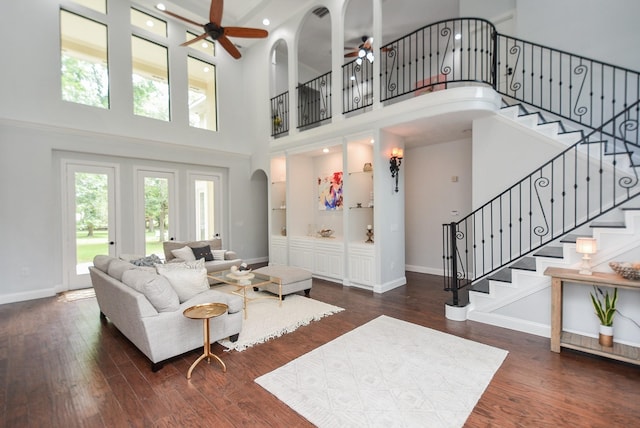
(515, 50)
(391, 53)
(541, 182)
(626, 126)
(461, 274)
(357, 70)
(323, 88)
(446, 32)
(578, 70)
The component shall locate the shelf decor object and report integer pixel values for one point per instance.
(369, 234)
(586, 247)
(394, 164)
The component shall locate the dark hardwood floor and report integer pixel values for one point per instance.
(60, 366)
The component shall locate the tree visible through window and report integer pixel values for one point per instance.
(150, 78)
(83, 56)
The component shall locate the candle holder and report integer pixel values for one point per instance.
(369, 236)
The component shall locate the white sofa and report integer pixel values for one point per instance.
(228, 257)
(159, 331)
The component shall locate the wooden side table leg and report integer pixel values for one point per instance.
(556, 313)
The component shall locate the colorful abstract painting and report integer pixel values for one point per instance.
(330, 192)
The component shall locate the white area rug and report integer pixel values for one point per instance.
(387, 373)
(266, 320)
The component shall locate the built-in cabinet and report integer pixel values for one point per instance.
(316, 189)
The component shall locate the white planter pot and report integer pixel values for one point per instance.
(606, 336)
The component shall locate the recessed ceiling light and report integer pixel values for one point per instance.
(458, 36)
(206, 69)
(161, 6)
(352, 77)
(205, 45)
(149, 23)
(373, 141)
(266, 21)
(325, 150)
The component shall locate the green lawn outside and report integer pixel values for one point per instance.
(88, 247)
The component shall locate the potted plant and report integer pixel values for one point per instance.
(605, 307)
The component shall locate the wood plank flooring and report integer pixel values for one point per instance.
(60, 366)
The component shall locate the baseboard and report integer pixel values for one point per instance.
(424, 269)
(510, 323)
(256, 260)
(382, 288)
(27, 295)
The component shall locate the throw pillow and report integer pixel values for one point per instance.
(117, 267)
(187, 279)
(203, 253)
(185, 253)
(155, 288)
(218, 254)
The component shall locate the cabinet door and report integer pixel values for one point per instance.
(361, 266)
(328, 260)
(278, 253)
(301, 254)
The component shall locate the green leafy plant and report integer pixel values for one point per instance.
(605, 305)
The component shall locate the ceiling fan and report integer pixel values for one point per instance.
(214, 30)
(363, 50)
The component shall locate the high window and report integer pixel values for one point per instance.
(83, 58)
(202, 94)
(149, 23)
(97, 5)
(150, 78)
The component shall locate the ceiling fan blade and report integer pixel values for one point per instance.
(200, 37)
(249, 33)
(351, 54)
(229, 46)
(367, 43)
(182, 18)
(215, 12)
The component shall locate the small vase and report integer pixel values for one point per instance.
(606, 336)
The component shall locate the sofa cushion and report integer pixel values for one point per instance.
(156, 288)
(203, 253)
(214, 244)
(218, 254)
(185, 253)
(117, 267)
(187, 279)
(102, 262)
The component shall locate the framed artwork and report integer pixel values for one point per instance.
(330, 192)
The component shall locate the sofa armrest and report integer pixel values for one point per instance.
(230, 255)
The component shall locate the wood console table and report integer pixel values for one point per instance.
(559, 338)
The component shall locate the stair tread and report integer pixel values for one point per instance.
(503, 275)
(525, 263)
(481, 286)
(608, 224)
(550, 251)
(571, 238)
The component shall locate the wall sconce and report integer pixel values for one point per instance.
(586, 246)
(394, 164)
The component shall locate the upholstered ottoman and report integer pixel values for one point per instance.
(293, 279)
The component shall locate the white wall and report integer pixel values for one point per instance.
(431, 196)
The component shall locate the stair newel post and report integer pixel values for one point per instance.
(454, 263)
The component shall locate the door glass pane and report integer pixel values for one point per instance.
(156, 214)
(150, 76)
(92, 218)
(83, 56)
(205, 212)
(202, 94)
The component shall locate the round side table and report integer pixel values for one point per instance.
(205, 312)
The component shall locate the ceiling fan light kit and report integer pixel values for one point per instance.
(215, 31)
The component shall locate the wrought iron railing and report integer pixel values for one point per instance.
(588, 179)
(357, 85)
(314, 101)
(460, 50)
(580, 89)
(280, 114)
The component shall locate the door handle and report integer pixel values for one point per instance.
(112, 243)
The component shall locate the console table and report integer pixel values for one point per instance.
(559, 338)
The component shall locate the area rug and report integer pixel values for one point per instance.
(387, 373)
(266, 320)
(74, 295)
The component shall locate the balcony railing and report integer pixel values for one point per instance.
(456, 50)
(280, 114)
(314, 101)
(357, 85)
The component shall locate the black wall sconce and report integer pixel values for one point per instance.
(394, 164)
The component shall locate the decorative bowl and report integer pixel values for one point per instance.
(325, 233)
(628, 270)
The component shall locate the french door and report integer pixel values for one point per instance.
(156, 210)
(206, 202)
(89, 216)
